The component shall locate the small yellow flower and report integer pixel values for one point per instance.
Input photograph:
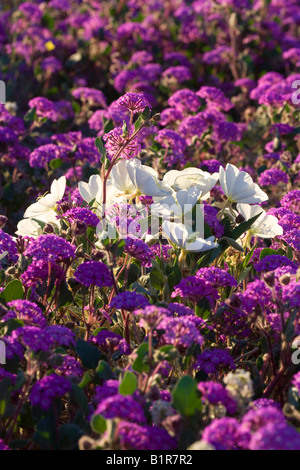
(49, 46)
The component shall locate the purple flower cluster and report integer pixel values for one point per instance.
(93, 273)
(50, 248)
(211, 361)
(129, 301)
(47, 389)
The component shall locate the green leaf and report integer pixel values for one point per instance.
(233, 243)
(98, 424)
(5, 392)
(243, 275)
(86, 379)
(40, 222)
(65, 296)
(78, 395)
(55, 163)
(139, 364)
(203, 308)
(44, 434)
(170, 352)
(30, 116)
(243, 227)
(100, 146)
(186, 397)
(13, 291)
(88, 353)
(293, 397)
(157, 279)
(104, 371)
(138, 123)
(269, 251)
(48, 21)
(68, 436)
(146, 113)
(129, 384)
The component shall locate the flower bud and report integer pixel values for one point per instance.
(3, 220)
(78, 227)
(48, 228)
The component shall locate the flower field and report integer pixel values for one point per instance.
(149, 225)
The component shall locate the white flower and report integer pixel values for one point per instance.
(180, 236)
(120, 177)
(93, 191)
(240, 386)
(44, 208)
(190, 177)
(265, 226)
(145, 180)
(195, 177)
(177, 204)
(239, 186)
(29, 228)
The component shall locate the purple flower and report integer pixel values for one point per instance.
(138, 249)
(171, 139)
(211, 360)
(3, 446)
(256, 294)
(129, 301)
(195, 289)
(184, 100)
(96, 120)
(135, 437)
(271, 262)
(111, 342)
(170, 116)
(51, 248)
(212, 165)
(216, 394)
(94, 97)
(123, 407)
(255, 419)
(7, 244)
(38, 271)
(216, 96)
(27, 311)
(32, 337)
(51, 64)
(60, 335)
(183, 332)
(177, 73)
(151, 315)
(192, 126)
(82, 214)
(228, 131)
(275, 436)
(134, 102)
(115, 141)
(291, 294)
(41, 156)
(44, 107)
(108, 389)
(210, 218)
(273, 176)
(222, 433)
(292, 201)
(180, 310)
(94, 273)
(70, 367)
(44, 391)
